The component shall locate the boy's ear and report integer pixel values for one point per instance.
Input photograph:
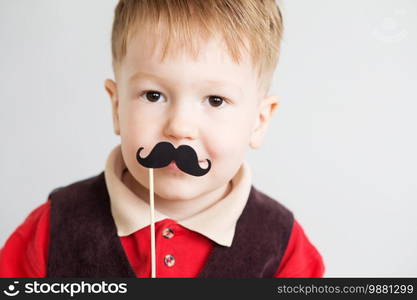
(267, 108)
(111, 89)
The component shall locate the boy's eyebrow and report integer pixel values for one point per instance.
(209, 81)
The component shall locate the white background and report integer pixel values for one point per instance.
(340, 152)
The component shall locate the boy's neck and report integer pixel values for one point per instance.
(176, 210)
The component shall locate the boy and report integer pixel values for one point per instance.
(195, 73)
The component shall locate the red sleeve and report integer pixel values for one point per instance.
(25, 252)
(301, 258)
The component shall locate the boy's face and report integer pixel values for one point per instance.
(210, 104)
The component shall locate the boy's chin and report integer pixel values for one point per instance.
(177, 190)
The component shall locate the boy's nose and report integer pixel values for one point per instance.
(181, 124)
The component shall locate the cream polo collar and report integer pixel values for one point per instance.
(217, 222)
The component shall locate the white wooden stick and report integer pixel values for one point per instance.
(153, 264)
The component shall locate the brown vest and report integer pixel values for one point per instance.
(84, 240)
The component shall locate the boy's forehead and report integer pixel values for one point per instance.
(213, 62)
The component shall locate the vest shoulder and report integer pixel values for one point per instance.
(81, 186)
(265, 202)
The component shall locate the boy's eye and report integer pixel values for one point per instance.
(153, 96)
(215, 101)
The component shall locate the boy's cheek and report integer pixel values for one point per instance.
(129, 149)
(136, 133)
(224, 147)
(225, 161)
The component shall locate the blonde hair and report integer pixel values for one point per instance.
(188, 22)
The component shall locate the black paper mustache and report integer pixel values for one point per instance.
(164, 153)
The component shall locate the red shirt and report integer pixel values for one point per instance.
(25, 252)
